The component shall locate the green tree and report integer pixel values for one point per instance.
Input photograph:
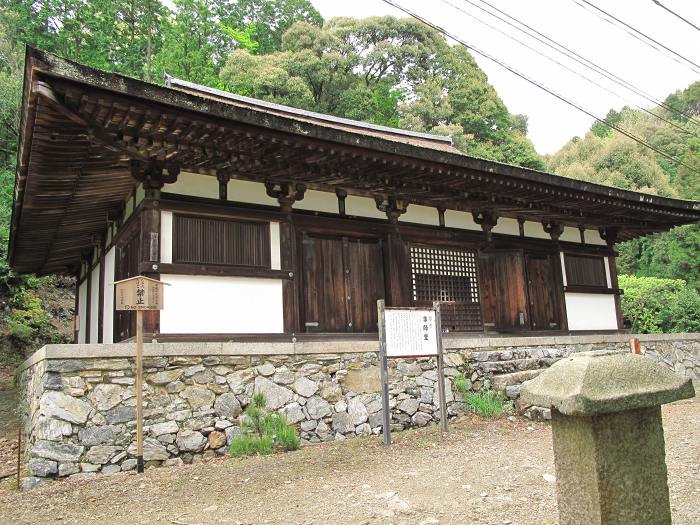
(395, 72)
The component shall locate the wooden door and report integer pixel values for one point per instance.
(342, 280)
(503, 290)
(542, 291)
(324, 297)
(365, 283)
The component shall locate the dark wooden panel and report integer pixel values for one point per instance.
(542, 293)
(215, 241)
(504, 294)
(365, 283)
(324, 295)
(216, 269)
(585, 270)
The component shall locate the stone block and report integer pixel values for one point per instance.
(57, 451)
(363, 380)
(58, 405)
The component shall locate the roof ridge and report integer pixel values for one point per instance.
(174, 82)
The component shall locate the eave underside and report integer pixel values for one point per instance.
(80, 140)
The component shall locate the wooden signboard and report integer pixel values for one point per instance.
(409, 333)
(138, 294)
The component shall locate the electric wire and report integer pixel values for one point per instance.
(635, 33)
(571, 70)
(573, 55)
(662, 6)
(538, 84)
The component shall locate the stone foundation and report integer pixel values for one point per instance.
(80, 401)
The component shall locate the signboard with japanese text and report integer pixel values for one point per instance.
(139, 293)
(410, 333)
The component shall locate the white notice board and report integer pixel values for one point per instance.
(410, 333)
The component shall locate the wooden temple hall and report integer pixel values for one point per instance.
(271, 222)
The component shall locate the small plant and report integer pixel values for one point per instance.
(488, 403)
(262, 432)
(461, 383)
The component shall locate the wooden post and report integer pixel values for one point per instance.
(440, 368)
(384, 372)
(139, 391)
(19, 455)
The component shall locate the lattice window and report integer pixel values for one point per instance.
(443, 274)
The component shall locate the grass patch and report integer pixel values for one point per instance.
(488, 403)
(263, 432)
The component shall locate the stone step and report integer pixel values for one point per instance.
(500, 382)
(495, 368)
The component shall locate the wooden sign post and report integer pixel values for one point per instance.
(409, 332)
(138, 294)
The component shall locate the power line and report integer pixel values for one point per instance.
(580, 75)
(538, 84)
(635, 33)
(576, 57)
(662, 6)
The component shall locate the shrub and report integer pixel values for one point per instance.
(461, 383)
(653, 305)
(487, 403)
(262, 432)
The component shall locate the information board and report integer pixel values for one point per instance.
(410, 333)
(139, 293)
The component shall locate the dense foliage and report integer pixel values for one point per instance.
(608, 157)
(655, 305)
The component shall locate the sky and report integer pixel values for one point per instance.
(552, 122)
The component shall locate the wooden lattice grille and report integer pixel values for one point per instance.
(442, 274)
(225, 242)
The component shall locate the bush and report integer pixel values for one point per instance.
(262, 432)
(653, 305)
(488, 403)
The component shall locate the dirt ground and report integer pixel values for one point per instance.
(483, 472)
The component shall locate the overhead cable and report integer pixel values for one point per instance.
(539, 85)
(662, 6)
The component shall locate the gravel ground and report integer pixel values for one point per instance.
(483, 472)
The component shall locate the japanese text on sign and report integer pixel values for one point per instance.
(410, 333)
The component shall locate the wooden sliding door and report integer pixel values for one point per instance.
(342, 280)
(504, 293)
(543, 292)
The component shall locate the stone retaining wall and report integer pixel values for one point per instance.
(80, 401)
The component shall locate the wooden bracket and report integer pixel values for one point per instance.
(521, 226)
(392, 206)
(554, 229)
(487, 219)
(152, 175)
(609, 234)
(582, 233)
(441, 216)
(286, 193)
(223, 178)
(342, 195)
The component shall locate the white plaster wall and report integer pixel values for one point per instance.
(507, 226)
(322, 201)
(108, 298)
(418, 214)
(460, 219)
(166, 237)
(140, 194)
(194, 185)
(129, 208)
(208, 304)
(563, 267)
(535, 229)
(248, 192)
(571, 235)
(593, 237)
(587, 311)
(608, 278)
(95, 304)
(275, 249)
(82, 311)
(363, 207)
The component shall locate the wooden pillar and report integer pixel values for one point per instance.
(610, 234)
(287, 194)
(397, 259)
(76, 311)
(153, 176)
(101, 295)
(87, 307)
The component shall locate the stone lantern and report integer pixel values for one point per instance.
(608, 436)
